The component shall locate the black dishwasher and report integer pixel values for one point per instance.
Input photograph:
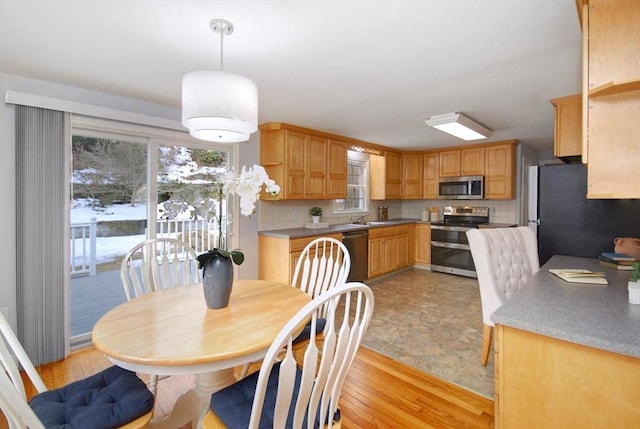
(357, 243)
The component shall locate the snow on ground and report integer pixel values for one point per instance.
(81, 212)
(108, 249)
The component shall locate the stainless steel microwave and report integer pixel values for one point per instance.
(461, 188)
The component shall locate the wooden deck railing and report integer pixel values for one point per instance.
(201, 235)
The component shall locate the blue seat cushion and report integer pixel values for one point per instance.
(306, 331)
(233, 404)
(106, 400)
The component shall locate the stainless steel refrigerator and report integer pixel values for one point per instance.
(570, 224)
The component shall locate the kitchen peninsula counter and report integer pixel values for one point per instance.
(598, 316)
(568, 354)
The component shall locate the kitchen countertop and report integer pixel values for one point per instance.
(332, 229)
(597, 316)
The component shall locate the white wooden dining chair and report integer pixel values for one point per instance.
(505, 258)
(323, 263)
(300, 392)
(157, 264)
(112, 398)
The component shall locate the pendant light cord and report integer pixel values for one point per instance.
(221, 26)
(221, 50)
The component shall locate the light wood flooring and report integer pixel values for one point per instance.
(379, 393)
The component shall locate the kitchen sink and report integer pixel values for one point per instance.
(369, 223)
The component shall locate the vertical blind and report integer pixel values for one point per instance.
(41, 192)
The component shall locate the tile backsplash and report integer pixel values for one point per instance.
(295, 213)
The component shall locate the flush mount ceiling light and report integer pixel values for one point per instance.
(459, 125)
(219, 106)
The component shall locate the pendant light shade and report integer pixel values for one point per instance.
(219, 106)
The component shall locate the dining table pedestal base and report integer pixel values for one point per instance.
(192, 405)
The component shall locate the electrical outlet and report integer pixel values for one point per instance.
(5, 312)
(293, 215)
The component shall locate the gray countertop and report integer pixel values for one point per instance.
(332, 229)
(597, 316)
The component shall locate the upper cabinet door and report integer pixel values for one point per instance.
(499, 183)
(296, 165)
(393, 181)
(412, 176)
(316, 172)
(567, 136)
(430, 175)
(450, 163)
(336, 169)
(472, 162)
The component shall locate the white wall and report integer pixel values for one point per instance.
(249, 154)
(248, 226)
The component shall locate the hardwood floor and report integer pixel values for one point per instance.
(379, 393)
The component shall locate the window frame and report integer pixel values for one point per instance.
(360, 159)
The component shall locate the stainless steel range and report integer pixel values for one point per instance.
(450, 252)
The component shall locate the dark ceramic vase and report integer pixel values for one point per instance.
(217, 279)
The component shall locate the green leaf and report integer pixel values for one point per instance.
(236, 255)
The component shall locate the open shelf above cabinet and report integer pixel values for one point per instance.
(611, 88)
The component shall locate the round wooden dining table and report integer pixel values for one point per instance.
(172, 332)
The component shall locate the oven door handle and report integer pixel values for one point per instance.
(450, 245)
(451, 228)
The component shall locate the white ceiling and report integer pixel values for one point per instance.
(371, 70)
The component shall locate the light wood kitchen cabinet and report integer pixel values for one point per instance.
(611, 98)
(500, 168)
(277, 256)
(385, 176)
(296, 161)
(423, 243)
(388, 249)
(430, 168)
(393, 177)
(336, 169)
(449, 163)
(380, 253)
(462, 162)
(567, 136)
(401, 251)
(538, 379)
(412, 176)
(472, 162)
(412, 244)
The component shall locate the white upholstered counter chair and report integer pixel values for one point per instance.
(290, 391)
(112, 398)
(156, 264)
(505, 258)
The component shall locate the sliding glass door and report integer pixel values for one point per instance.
(128, 184)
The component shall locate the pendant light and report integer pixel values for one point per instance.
(218, 106)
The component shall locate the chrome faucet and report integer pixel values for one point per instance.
(358, 221)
